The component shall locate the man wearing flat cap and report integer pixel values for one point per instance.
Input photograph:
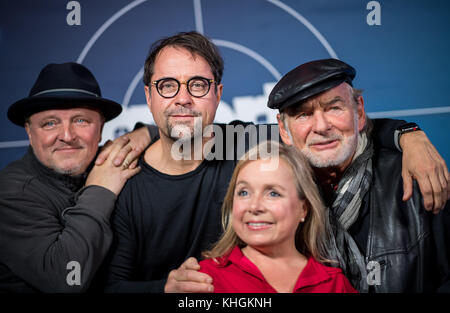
(54, 225)
(382, 243)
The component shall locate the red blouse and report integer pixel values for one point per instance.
(237, 274)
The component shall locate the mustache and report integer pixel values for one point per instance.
(321, 139)
(67, 146)
(183, 111)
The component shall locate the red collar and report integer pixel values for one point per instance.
(314, 273)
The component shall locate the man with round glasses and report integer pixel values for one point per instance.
(170, 211)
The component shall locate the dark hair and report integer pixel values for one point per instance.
(193, 42)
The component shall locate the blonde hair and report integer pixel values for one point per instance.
(311, 236)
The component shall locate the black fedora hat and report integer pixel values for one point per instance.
(63, 86)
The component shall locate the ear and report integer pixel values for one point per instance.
(219, 91)
(27, 129)
(305, 208)
(361, 113)
(148, 97)
(101, 130)
(283, 131)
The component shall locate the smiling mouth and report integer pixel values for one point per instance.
(258, 225)
(67, 149)
(324, 144)
(182, 115)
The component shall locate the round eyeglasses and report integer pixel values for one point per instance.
(197, 86)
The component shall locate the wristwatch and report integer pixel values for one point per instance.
(405, 128)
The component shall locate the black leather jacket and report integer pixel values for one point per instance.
(410, 245)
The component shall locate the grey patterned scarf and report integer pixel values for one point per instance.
(344, 211)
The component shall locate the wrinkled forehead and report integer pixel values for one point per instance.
(342, 92)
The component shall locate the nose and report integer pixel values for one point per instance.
(68, 133)
(256, 205)
(183, 96)
(321, 124)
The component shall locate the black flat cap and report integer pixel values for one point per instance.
(309, 79)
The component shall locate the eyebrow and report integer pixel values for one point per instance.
(241, 182)
(266, 186)
(54, 117)
(332, 101)
(170, 77)
(76, 115)
(165, 77)
(85, 116)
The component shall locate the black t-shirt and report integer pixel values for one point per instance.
(161, 220)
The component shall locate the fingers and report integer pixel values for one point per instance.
(133, 164)
(187, 278)
(407, 186)
(123, 151)
(184, 280)
(429, 169)
(436, 186)
(130, 172)
(119, 158)
(440, 180)
(113, 149)
(128, 155)
(191, 276)
(103, 155)
(425, 164)
(445, 180)
(438, 192)
(120, 145)
(427, 192)
(190, 264)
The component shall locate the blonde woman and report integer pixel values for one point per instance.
(274, 229)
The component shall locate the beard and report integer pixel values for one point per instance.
(336, 158)
(344, 152)
(72, 169)
(71, 166)
(183, 130)
(69, 171)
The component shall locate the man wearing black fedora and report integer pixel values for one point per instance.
(54, 203)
